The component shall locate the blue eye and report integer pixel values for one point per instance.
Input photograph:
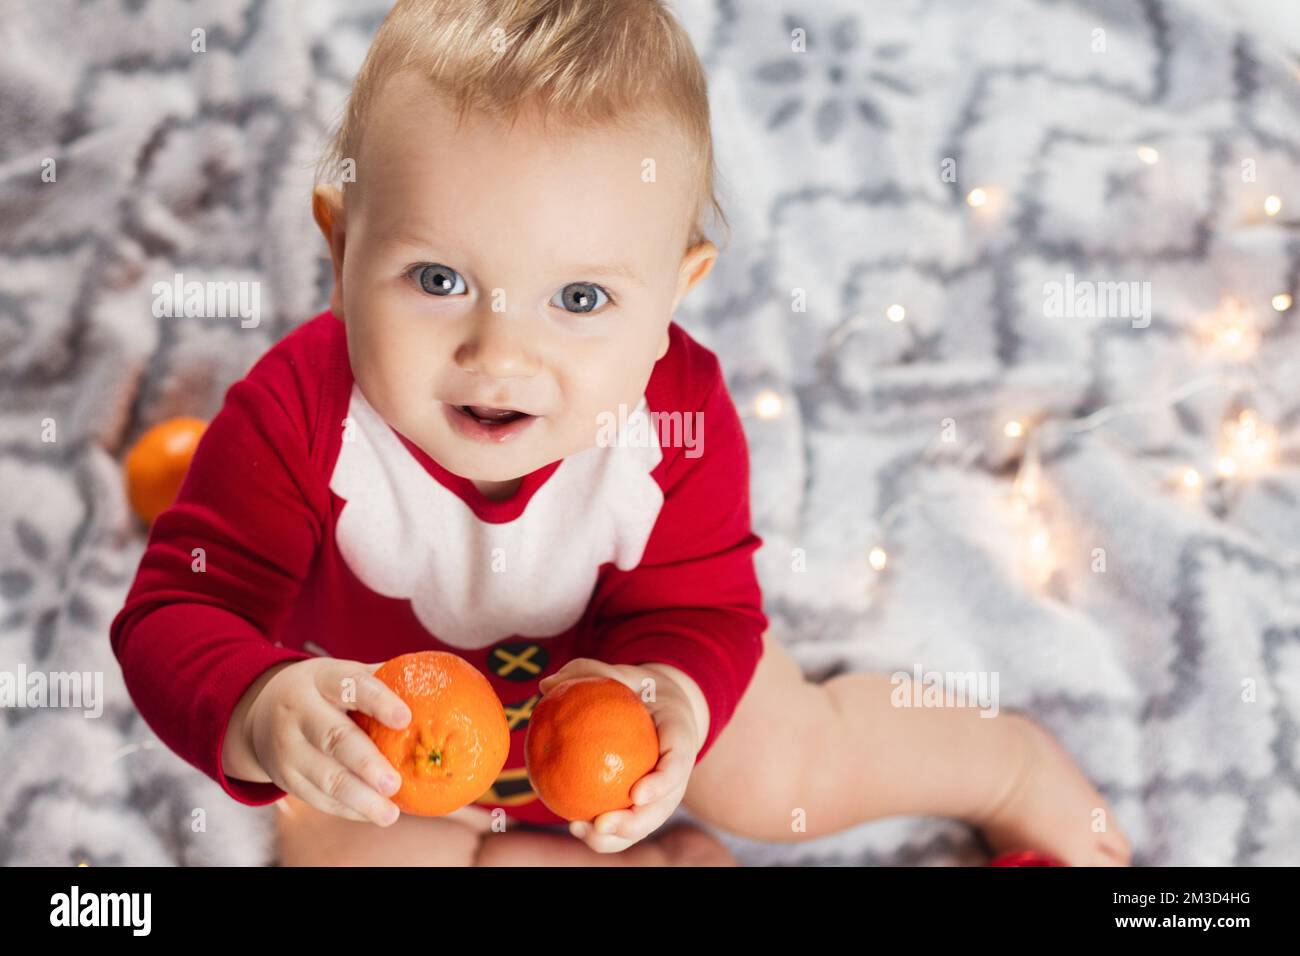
(437, 279)
(580, 297)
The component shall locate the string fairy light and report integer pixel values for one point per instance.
(1027, 483)
(1038, 560)
(895, 312)
(1231, 331)
(768, 404)
(1248, 446)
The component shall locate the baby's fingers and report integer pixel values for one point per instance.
(336, 736)
(618, 829)
(353, 686)
(678, 746)
(337, 783)
(309, 793)
(600, 842)
(672, 772)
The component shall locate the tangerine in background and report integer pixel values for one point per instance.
(589, 740)
(458, 739)
(157, 463)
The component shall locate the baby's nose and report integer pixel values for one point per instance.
(497, 345)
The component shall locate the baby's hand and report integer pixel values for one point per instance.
(307, 744)
(656, 795)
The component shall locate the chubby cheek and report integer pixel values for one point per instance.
(597, 388)
(388, 367)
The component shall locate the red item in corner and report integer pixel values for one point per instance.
(1025, 858)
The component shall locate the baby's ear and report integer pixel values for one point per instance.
(327, 209)
(696, 264)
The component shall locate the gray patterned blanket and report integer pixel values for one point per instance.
(947, 217)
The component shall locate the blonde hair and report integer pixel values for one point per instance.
(587, 62)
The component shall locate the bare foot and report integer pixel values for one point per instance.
(1051, 807)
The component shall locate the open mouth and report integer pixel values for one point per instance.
(483, 423)
(491, 416)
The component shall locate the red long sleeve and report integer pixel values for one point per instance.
(190, 642)
(694, 602)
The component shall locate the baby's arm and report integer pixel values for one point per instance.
(693, 606)
(237, 756)
(688, 616)
(695, 698)
(221, 569)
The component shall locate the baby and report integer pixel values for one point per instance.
(497, 442)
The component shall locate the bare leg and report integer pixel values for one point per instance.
(801, 760)
(683, 845)
(309, 837)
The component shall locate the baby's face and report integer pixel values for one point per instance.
(490, 268)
